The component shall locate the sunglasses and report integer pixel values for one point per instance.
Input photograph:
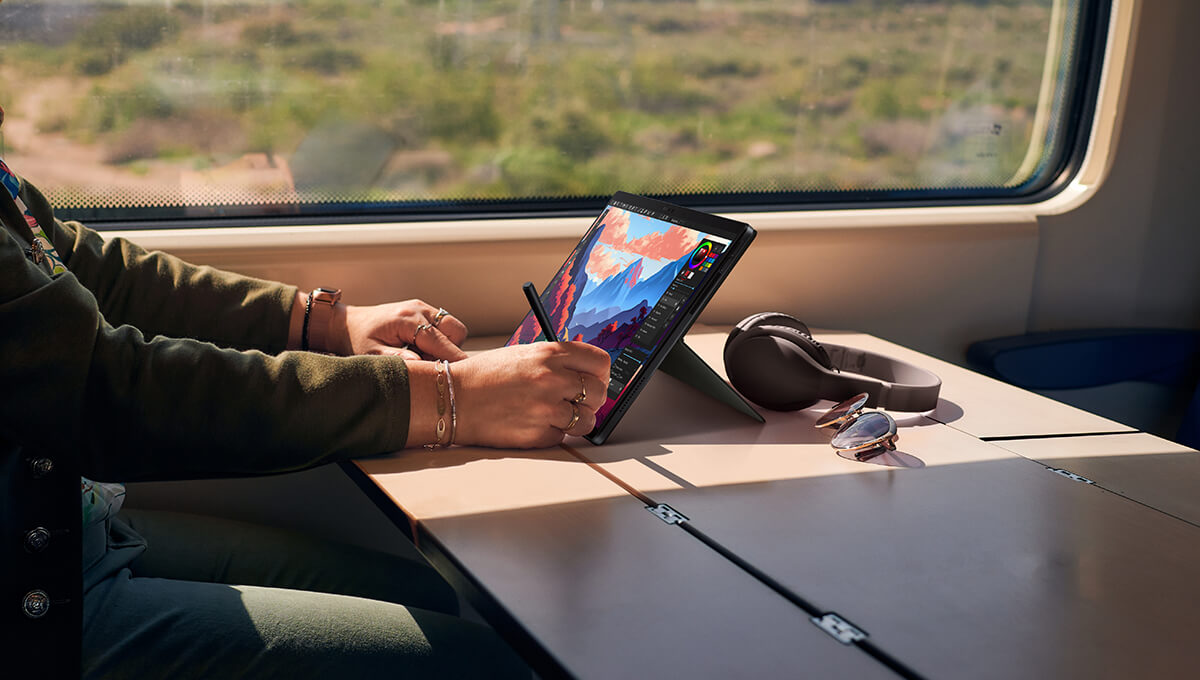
(863, 434)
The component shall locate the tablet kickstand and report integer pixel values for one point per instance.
(684, 364)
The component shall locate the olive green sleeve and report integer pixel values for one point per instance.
(175, 409)
(167, 408)
(154, 408)
(160, 294)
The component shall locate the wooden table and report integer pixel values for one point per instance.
(581, 579)
(1142, 467)
(1009, 536)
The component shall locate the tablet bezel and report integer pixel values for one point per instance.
(739, 234)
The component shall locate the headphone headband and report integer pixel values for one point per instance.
(773, 361)
(892, 384)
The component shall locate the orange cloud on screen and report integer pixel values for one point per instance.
(668, 245)
(616, 229)
(603, 264)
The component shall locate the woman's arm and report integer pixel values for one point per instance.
(390, 329)
(166, 408)
(160, 294)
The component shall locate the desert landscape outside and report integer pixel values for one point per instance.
(210, 106)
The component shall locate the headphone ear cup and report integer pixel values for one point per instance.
(815, 349)
(783, 325)
(763, 319)
(775, 319)
(776, 367)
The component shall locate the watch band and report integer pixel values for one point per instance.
(318, 313)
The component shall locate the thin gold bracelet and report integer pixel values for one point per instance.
(441, 405)
(453, 408)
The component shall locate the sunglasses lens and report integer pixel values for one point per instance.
(870, 429)
(839, 413)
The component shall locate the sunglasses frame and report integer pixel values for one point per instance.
(850, 411)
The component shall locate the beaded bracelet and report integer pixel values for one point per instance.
(307, 313)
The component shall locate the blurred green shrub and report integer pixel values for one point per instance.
(116, 32)
(330, 60)
(130, 28)
(271, 34)
(576, 133)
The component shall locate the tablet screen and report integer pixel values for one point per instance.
(629, 283)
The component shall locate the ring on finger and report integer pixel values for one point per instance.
(582, 392)
(417, 333)
(441, 314)
(574, 416)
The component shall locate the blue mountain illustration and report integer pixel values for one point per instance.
(594, 316)
(593, 328)
(611, 291)
(616, 291)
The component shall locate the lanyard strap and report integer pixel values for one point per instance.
(40, 245)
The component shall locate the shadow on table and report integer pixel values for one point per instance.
(669, 413)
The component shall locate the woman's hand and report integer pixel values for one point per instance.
(525, 396)
(412, 329)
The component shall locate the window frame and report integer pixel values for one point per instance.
(1102, 22)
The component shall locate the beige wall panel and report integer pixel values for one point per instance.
(931, 288)
(1129, 255)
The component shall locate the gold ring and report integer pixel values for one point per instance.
(440, 315)
(582, 392)
(416, 333)
(574, 417)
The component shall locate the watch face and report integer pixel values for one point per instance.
(327, 295)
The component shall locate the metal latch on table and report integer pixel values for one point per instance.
(1070, 475)
(667, 514)
(842, 630)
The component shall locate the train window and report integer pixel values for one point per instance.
(176, 112)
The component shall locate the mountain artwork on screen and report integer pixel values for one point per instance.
(613, 279)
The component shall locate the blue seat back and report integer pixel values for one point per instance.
(1078, 359)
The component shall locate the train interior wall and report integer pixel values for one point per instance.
(1126, 257)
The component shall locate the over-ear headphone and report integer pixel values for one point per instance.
(773, 360)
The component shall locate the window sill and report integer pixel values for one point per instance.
(511, 230)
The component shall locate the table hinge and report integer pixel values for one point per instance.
(842, 630)
(1070, 475)
(667, 514)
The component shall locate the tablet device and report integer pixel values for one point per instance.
(633, 286)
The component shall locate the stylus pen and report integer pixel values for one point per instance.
(535, 303)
